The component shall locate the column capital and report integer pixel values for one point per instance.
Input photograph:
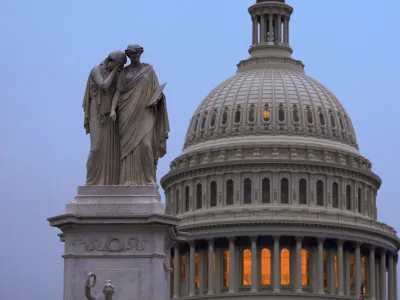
(211, 241)
(276, 238)
(254, 238)
(191, 243)
(299, 239)
(320, 240)
(340, 242)
(357, 244)
(372, 248)
(390, 254)
(231, 239)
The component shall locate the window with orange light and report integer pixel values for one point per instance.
(305, 263)
(183, 265)
(226, 268)
(285, 266)
(364, 274)
(265, 266)
(246, 267)
(197, 270)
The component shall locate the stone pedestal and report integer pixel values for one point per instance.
(121, 234)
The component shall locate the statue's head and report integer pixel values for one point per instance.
(134, 52)
(108, 290)
(114, 59)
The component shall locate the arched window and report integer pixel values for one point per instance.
(238, 114)
(213, 119)
(285, 266)
(266, 191)
(333, 123)
(187, 199)
(247, 191)
(226, 268)
(284, 191)
(224, 120)
(199, 196)
(364, 273)
(177, 201)
(213, 192)
(281, 113)
(360, 200)
(305, 265)
(348, 197)
(322, 118)
(369, 203)
(229, 192)
(341, 122)
(197, 270)
(303, 191)
(325, 267)
(266, 114)
(296, 114)
(246, 267)
(309, 116)
(203, 122)
(335, 195)
(265, 266)
(196, 122)
(252, 115)
(353, 273)
(320, 193)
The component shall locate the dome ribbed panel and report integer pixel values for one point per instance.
(276, 89)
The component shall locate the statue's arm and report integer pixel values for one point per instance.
(88, 293)
(104, 84)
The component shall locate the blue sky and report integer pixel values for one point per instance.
(48, 48)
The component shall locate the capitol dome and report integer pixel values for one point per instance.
(275, 199)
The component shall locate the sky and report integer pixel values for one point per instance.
(49, 47)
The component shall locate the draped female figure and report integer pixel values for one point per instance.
(142, 120)
(104, 157)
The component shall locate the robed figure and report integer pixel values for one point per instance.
(139, 106)
(103, 164)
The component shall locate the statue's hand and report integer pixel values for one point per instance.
(113, 115)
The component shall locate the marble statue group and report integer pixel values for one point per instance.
(126, 117)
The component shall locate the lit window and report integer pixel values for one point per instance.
(183, 267)
(266, 114)
(325, 266)
(226, 268)
(336, 271)
(247, 191)
(303, 191)
(266, 191)
(352, 272)
(197, 270)
(213, 190)
(285, 267)
(229, 192)
(246, 266)
(364, 271)
(305, 263)
(265, 267)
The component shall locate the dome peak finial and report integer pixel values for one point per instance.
(259, 1)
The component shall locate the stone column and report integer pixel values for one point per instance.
(320, 260)
(358, 268)
(276, 266)
(340, 268)
(177, 270)
(218, 270)
(347, 274)
(371, 274)
(210, 267)
(279, 25)
(231, 265)
(382, 274)
(271, 30)
(254, 265)
(390, 276)
(298, 283)
(377, 279)
(263, 28)
(191, 269)
(201, 272)
(395, 278)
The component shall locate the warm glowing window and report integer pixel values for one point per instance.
(320, 193)
(187, 198)
(325, 267)
(183, 265)
(199, 196)
(229, 192)
(247, 191)
(305, 263)
(265, 266)
(335, 195)
(252, 115)
(285, 267)
(364, 271)
(197, 270)
(336, 271)
(352, 272)
(266, 114)
(266, 191)
(303, 191)
(226, 268)
(284, 191)
(348, 197)
(246, 267)
(359, 200)
(213, 192)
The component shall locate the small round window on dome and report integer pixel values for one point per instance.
(322, 118)
(224, 117)
(238, 114)
(281, 113)
(296, 114)
(309, 116)
(266, 114)
(213, 119)
(252, 115)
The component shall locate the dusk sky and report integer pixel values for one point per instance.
(49, 47)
